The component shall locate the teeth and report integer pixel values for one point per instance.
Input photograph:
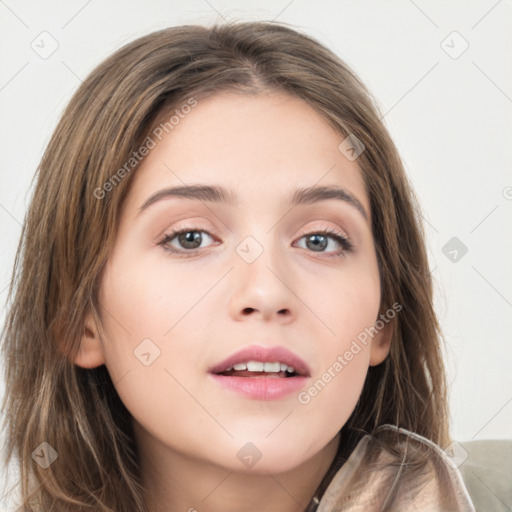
(271, 367)
(258, 366)
(255, 366)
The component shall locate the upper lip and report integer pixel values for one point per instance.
(265, 355)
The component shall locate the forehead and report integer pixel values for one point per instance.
(264, 145)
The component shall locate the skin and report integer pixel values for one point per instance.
(194, 309)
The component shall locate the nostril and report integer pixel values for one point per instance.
(247, 311)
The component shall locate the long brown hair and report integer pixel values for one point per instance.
(71, 225)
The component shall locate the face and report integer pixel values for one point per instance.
(194, 279)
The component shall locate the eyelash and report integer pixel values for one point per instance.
(344, 242)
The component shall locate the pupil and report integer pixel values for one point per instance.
(190, 239)
(317, 241)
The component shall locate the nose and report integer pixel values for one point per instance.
(262, 289)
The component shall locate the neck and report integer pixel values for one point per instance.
(175, 481)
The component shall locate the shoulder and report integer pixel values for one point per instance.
(394, 469)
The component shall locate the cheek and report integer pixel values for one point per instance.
(141, 302)
(331, 396)
(349, 300)
(151, 317)
(326, 405)
(147, 350)
(350, 306)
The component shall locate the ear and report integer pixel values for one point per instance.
(90, 354)
(381, 342)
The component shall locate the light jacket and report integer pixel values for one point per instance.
(393, 470)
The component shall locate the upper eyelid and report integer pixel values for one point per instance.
(309, 231)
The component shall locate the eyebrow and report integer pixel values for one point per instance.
(217, 194)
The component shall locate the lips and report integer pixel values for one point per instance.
(257, 353)
(251, 383)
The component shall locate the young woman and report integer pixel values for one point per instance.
(221, 299)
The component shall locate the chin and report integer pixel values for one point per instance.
(271, 462)
(275, 454)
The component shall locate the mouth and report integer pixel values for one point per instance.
(262, 373)
(257, 361)
(254, 369)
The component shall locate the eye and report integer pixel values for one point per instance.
(184, 242)
(318, 241)
(187, 239)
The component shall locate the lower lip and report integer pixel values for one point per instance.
(262, 388)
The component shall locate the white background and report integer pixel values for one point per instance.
(450, 118)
